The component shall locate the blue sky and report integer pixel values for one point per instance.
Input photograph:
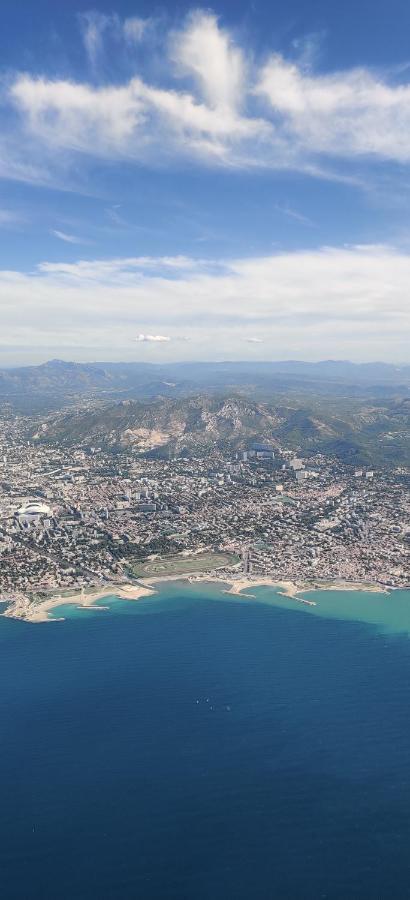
(181, 182)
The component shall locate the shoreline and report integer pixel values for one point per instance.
(30, 610)
(292, 590)
(27, 609)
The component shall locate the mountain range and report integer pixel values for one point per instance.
(58, 382)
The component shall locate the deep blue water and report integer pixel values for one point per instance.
(193, 749)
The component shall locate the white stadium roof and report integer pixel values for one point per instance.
(34, 509)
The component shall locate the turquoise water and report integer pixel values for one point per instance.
(195, 745)
(388, 612)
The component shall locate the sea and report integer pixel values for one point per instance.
(199, 746)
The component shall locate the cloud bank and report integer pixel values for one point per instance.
(333, 301)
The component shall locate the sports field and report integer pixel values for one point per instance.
(183, 565)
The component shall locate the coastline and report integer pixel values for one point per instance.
(38, 611)
(292, 590)
(32, 610)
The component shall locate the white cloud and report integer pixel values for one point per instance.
(207, 52)
(124, 269)
(68, 238)
(352, 301)
(152, 339)
(345, 114)
(79, 117)
(130, 121)
(228, 110)
(254, 340)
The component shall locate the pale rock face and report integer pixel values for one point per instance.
(146, 438)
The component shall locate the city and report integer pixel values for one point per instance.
(78, 517)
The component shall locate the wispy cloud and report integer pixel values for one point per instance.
(93, 24)
(215, 104)
(114, 216)
(68, 238)
(293, 214)
(10, 218)
(96, 26)
(126, 269)
(350, 113)
(135, 28)
(254, 340)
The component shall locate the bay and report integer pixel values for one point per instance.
(197, 745)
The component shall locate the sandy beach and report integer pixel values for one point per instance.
(369, 588)
(30, 610)
(288, 588)
(38, 610)
(294, 590)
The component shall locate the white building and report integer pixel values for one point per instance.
(33, 513)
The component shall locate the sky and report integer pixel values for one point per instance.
(204, 183)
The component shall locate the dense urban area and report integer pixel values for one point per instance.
(75, 516)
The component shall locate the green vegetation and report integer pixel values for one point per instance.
(182, 565)
(356, 431)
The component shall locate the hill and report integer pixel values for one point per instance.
(187, 425)
(354, 431)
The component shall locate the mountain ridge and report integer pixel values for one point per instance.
(195, 425)
(56, 382)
